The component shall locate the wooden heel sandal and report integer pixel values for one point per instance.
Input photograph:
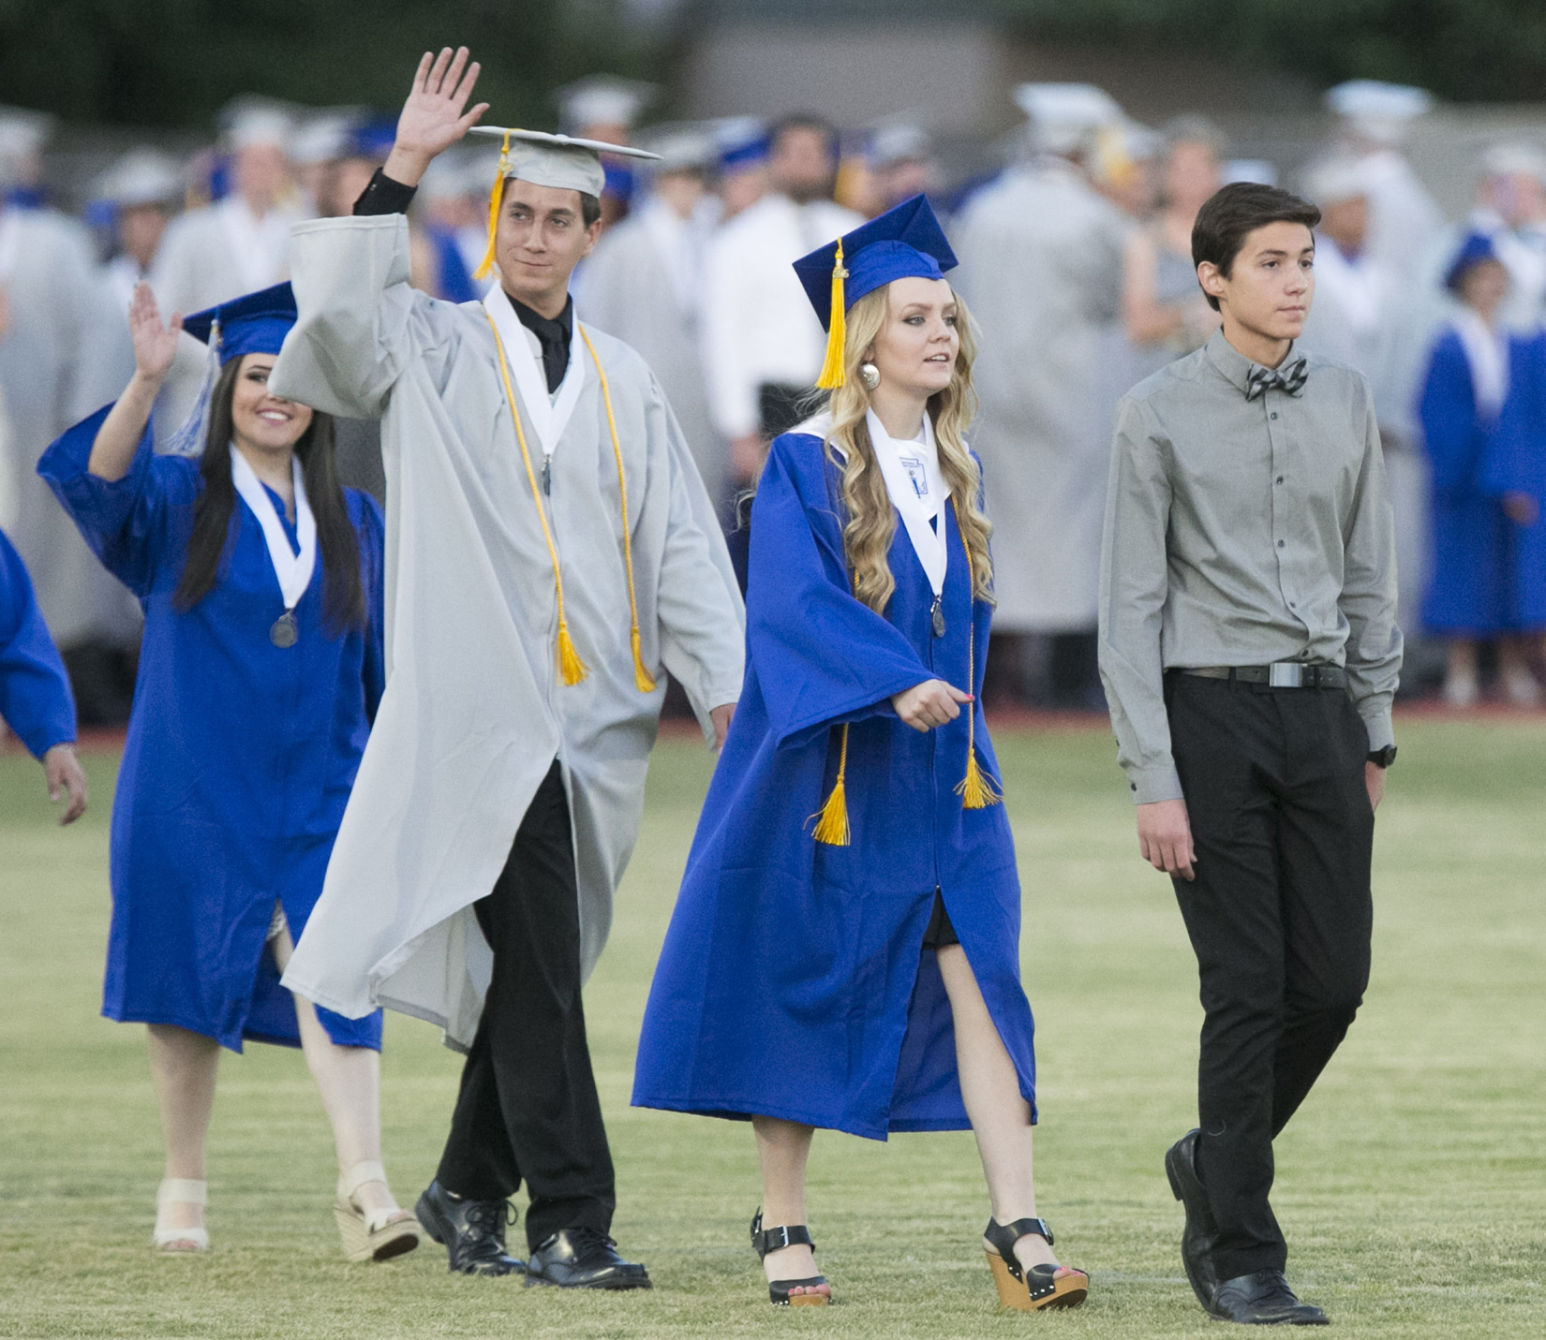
(1043, 1286)
(379, 1235)
(775, 1239)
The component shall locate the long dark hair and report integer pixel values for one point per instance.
(343, 594)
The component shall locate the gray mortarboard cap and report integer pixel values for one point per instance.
(683, 146)
(23, 133)
(143, 176)
(603, 99)
(1515, 158)
(1332, 180)
(325, 135)
(559, 161)
(1377, 110)
(899, 142)
(252, 119)
(1064, 116)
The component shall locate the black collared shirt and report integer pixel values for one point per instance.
(554, 337)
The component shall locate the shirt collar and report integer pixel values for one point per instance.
(1234, 366)
(559, 329)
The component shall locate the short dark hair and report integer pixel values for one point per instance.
(590, 209)
(803, 121)
(1234, 211)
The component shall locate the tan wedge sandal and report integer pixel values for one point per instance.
(379, 1235)
(179, 1191)
(1044, 1286)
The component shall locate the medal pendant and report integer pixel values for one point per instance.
(937, 619)
(284, 632)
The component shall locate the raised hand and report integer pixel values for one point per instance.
(155, 344)
(432, 118)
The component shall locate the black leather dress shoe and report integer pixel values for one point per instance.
(472, 1231)
(583, 1258)
(1201, 1231)
(1263, 1298)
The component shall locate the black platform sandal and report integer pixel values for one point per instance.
(775, 1239)
(1039, 1287)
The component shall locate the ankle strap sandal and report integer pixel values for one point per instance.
(1043, 1286)
(776, 1239)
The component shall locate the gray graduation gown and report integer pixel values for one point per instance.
(1041, 269)
(474, 712)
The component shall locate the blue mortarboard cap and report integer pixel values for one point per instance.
(903, 242)
(1476, 248)
(255, 323)
(373, 140)
(619, 181)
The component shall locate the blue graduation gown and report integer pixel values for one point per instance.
(239, 756)
(1468, 561)
(793, 982)
(35, 697)
(1516, 463)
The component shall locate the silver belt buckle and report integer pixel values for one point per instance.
(1285, 675)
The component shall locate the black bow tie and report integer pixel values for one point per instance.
(1290, 378)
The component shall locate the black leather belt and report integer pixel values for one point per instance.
(1278, 675)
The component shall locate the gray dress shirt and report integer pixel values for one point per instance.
(1240, 533)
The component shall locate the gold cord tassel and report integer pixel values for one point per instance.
(837, 329)
(832, 820)
(641, 675)
(571, 668)
(496, 196)
(976, 789)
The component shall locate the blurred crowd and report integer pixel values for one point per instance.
(1076, 268)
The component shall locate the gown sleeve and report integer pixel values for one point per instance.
(35, 697)
(822, 656)
(361, 326)
(123, 520)
(1515, 459)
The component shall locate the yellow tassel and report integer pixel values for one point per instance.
(496, 196)
(832, 819)
(837, 329)
(976, 789)
(832, 822)
(570, 666)
(641, 677)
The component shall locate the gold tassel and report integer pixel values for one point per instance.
(976, 789)
(495, 198)
(641, 677)
(832, 820)
(832, 375)
(570, 666)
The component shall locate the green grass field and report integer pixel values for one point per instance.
(1412, 1186)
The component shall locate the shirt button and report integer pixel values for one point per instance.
(1280, 544)
(1278, 480)
(1273, 415)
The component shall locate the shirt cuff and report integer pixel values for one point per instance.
(1159, 781)
(1376, 719)
(385, 196)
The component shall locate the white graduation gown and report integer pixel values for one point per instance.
(1041, 266)
(474, 712)
(642, 285)
(56, 366)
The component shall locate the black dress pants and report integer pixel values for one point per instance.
(528, 1108)
(1279, 916)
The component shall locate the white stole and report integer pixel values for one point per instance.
(10, 242)
(918, 492)
(548, 415)
(1486, 350)
(258, 246)
(293, 570)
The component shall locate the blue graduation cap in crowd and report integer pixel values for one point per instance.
(1476, 248)
(255, 323)
(904, 242)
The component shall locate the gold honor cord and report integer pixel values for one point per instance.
(641, 677)
(570, 667)
(976, 789)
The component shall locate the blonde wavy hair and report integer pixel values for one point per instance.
(871, 518)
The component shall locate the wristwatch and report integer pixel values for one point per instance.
(1383, 758)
